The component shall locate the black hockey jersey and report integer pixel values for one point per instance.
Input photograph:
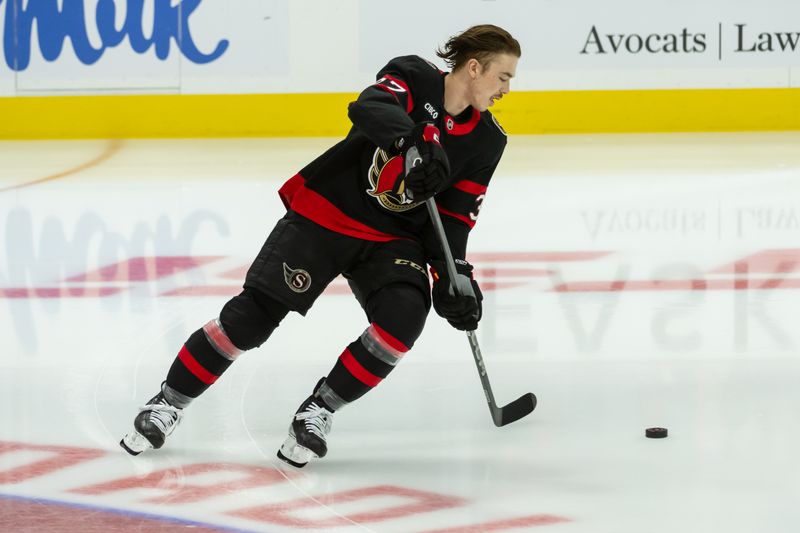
(356, 187)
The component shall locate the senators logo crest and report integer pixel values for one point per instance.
(387, 181)
(297, 279)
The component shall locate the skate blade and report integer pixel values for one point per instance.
(134, 443)
(294, 454)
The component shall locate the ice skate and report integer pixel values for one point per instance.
(311, 424)
(155, 422)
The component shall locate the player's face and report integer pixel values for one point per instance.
(492, 81)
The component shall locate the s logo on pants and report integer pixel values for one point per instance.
(297, 279)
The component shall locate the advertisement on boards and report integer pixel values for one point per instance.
(291, 46)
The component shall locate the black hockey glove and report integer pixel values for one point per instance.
(426, 165)
(462, 311)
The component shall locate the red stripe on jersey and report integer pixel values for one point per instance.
(359, 372)
(454, 128)
(470, 187)
(315, 207)
(389, 339)
(465, 219)
(400, 83)
(196, 368)
(289, 189)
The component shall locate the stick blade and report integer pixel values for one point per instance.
(521, 407)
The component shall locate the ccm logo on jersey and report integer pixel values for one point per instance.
(431, 111)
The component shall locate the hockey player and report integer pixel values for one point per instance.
(358, 210)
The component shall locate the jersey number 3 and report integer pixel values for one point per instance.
(478, 204)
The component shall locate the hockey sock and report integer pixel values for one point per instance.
(363, 364)
(245, 322)
(201, 361)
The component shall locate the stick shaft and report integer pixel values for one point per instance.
(438, 227)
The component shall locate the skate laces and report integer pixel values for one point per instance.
(164, 416)
(318, 420)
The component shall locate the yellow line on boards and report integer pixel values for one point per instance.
(649, 111)
(149, 116)
(314, 115)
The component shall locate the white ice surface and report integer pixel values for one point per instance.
(719, 368)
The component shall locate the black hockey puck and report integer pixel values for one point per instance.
(655, 433)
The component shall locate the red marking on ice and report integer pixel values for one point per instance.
(334, 289)
(483, 270)
(237, 273)
(142, 269)
(337, 289)
(59, 292)
(544, 257)
(205, 290)
(145, 268)
(491, 272)
(489, 286)
(62, 457)
(176, 482)
(282, 513)
(765, 262)
(37, 515)
(502, 525)
(678, 285)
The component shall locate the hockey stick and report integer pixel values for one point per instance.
(523, 405)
